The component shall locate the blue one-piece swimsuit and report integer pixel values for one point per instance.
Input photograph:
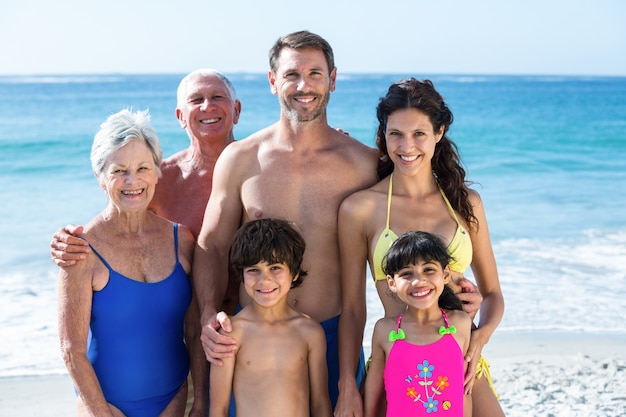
(137, 348)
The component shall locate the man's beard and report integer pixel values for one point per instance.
(313, 114)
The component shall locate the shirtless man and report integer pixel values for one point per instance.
(207, 109)
(299, 169)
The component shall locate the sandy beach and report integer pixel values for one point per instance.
(536, 374)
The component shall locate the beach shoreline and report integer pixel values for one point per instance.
(535, 374)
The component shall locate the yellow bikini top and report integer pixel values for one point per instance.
(459, 249)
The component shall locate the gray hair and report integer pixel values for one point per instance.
(181, 93)
(120, 129)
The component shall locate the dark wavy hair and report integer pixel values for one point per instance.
(446, 163)
(269, 240)
(414, 246)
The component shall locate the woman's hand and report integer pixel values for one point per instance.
(473, 355)
(470, 296)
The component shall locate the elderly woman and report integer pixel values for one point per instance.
(122, 312)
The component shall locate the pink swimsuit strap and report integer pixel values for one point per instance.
(445, 319)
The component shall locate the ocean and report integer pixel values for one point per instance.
(546, 153)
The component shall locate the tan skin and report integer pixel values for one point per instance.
(280, 367)
(416, 205)
(421, 319)
(137, 244)
(208, 115)
(298, 169)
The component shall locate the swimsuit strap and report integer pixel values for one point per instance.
(447, 329)
(445, 317)
(176, 241)
(398, 334)
(111, 269)
(101, 258)
(389, 203)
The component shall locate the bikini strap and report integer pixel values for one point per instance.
(176, 240)
(448, 204)
(389, 193)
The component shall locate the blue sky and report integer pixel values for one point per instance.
(553, 37)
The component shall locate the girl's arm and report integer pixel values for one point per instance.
(221, 387)
(353, 253)
(486, 275)
(318, 373)
(374, 383)
(463, 324)
(75, 292)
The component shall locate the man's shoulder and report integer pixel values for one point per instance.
(355, 149)
(174, 159)
(249, 144)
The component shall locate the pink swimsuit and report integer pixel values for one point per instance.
(424, 379)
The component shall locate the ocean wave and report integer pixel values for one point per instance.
(566, 284)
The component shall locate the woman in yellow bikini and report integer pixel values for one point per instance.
(423, 188)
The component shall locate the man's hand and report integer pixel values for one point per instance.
(216, 345)
(66, 248)
(350, 402)
(470, 297)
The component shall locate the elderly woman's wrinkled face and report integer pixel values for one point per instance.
(130, 177)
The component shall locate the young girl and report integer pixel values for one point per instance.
(418, 357)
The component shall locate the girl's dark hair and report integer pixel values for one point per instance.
(269, 240)
(414, 246)
(446, 163)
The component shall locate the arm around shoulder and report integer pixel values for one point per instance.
(66, 248)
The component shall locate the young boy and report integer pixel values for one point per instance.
(279, 368)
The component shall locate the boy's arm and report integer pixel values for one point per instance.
(221, 387)
(318, 374)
